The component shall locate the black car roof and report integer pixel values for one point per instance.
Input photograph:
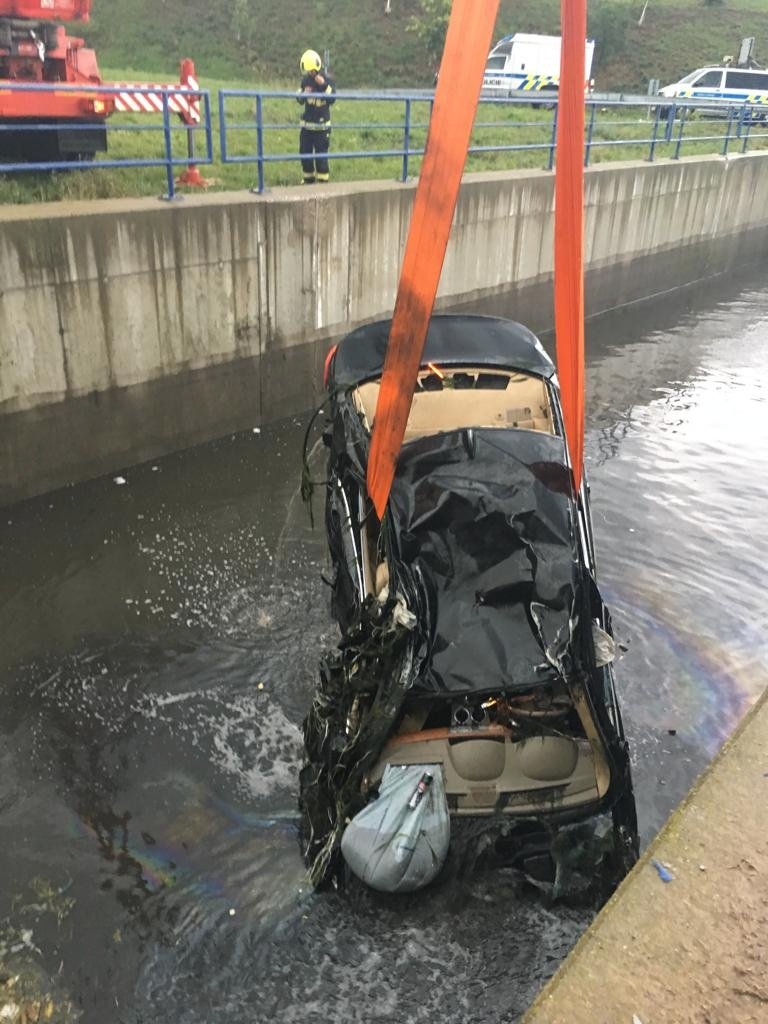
(453, 339)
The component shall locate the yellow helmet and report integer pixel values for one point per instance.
(310, 61)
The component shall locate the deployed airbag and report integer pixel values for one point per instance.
(399, 841)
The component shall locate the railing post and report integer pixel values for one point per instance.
(741, 121)
(654, 136)
(553, 140)
(749, 122)
(727, 136)
(671, 115)
(406, 139)
(589, 134)
(260, 143)
(171, 194)
(208, 127)
(222, 126)
(678, 147)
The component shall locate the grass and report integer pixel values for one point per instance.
(262, 39)
(360, 125)
(245, 42)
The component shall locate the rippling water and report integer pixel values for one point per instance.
(159, 641)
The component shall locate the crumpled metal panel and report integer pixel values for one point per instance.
(485, 517)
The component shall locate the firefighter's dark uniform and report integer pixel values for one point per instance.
(315, 135)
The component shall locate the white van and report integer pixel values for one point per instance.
(528, 63)
(737, 85)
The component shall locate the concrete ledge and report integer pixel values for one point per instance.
(129, 328)
(693, 950)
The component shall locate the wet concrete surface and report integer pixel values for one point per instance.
(683, 940)
(159, 644)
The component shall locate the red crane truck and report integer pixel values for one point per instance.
(35, 50)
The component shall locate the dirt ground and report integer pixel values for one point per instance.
(692, 950)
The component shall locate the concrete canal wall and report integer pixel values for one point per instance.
(129, 328)
(691, 950)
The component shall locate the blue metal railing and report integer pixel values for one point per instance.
(256, 127)
(668, 124)
(170, 131)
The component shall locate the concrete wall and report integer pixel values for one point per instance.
(692, 950)
(130, 328)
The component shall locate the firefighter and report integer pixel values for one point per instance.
(316, 97)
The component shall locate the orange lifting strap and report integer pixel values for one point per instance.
(467, 44)
(569, 228)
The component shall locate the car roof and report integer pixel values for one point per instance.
(452, 340)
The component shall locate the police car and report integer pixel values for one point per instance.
(729, 85)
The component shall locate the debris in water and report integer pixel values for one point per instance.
(260, 686)
(120, 480)
(672, 732)
(155, 469)
(257, 430)
(231, 911)
(664, 873)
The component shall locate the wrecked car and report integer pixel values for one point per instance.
(473, 685)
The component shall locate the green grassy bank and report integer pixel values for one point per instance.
(366, 125)
(262, 39)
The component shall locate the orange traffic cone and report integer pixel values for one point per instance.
(193, 177)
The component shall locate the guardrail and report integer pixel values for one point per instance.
(669, 125)
(66, 116)
(260, 128)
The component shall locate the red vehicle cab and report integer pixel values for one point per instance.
(35, 50)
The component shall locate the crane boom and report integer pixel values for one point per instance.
(46, 10)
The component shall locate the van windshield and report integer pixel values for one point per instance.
(690, 77)
(496, 63)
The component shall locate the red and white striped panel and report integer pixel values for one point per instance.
(187, 107)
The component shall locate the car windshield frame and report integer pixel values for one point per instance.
(452, 340)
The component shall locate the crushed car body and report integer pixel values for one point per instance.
(475, 646)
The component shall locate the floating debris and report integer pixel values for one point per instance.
(120, 480)
(664, 873)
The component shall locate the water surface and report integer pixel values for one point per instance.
(159, 642)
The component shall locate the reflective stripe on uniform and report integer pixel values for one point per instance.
(315, 126)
